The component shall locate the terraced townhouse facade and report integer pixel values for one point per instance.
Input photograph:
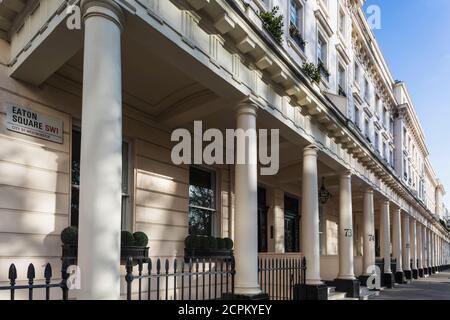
(138, 69)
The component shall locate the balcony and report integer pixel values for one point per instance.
(341, 91)
(323, 71)
(297, 37)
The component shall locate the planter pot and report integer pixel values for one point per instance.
(213, 254)
(70, 253)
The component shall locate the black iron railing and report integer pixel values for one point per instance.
(278, 276)
(195, 280)
(33, 285)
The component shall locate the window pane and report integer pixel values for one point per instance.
(201, 188)
(200, 222)
(294, 13)
(76, 148)
(201, 199)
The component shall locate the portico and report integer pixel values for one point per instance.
(139, 72)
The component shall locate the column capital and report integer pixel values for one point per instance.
(104, 8)
(247, 106)
(310, 150)
(368, 191)
(346, 174)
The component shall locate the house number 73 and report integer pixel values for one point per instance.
(348, 233)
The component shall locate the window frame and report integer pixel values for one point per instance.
(215, 219)
(129, 215)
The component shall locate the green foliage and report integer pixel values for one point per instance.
(273, 23)
(312, 72)
(204, 242)
(228, 243)
(126, 239)
(140, 239)
(220, 243)
(69, 235)
(212, 243)
(295, 34)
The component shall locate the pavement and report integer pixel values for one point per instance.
(435, 287)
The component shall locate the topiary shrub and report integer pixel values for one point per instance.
(203, 242)
(189, 242)
(69, 235)
(228, 243)
(220, 243)
(126, 239)
(212, 243)
(140, 239)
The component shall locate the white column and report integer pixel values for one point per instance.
(246, 204)
(413, 242)
(406, 243)
(369, 232)
(419, 245)
(310, 216)
(425, 247)
(346, 268)
(428, 249)
(386, 236)
(101, 153)
(432, 249)
(397, 224)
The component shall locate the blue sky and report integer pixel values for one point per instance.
(415, 40)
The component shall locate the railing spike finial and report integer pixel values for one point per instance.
(12, 274)
(48, 272)
(31, 272)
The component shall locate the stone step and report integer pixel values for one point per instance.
(337, 296)
(365, 294)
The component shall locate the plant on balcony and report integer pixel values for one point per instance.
(273, 23)
(312, 72)
(207, 247)
(131, 245)
(296, 36)
(323, 70)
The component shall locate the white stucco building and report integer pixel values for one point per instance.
(138, 69)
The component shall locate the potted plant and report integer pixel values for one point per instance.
(312, 72)
(273, 23)
(132, 245)
(296, 36)
(204, 247)
(69, 238)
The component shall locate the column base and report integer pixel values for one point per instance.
(430, 271)
(415, 274)
(433, 270)
(388, 280)
(310, 292)
(425, 271)
(249, 297)
(408, 274)
(351, 287)
(363, 281)
(421, 273)
(400, 277)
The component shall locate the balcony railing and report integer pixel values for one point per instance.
(296, 36)
(323, 71)
(35, 288)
